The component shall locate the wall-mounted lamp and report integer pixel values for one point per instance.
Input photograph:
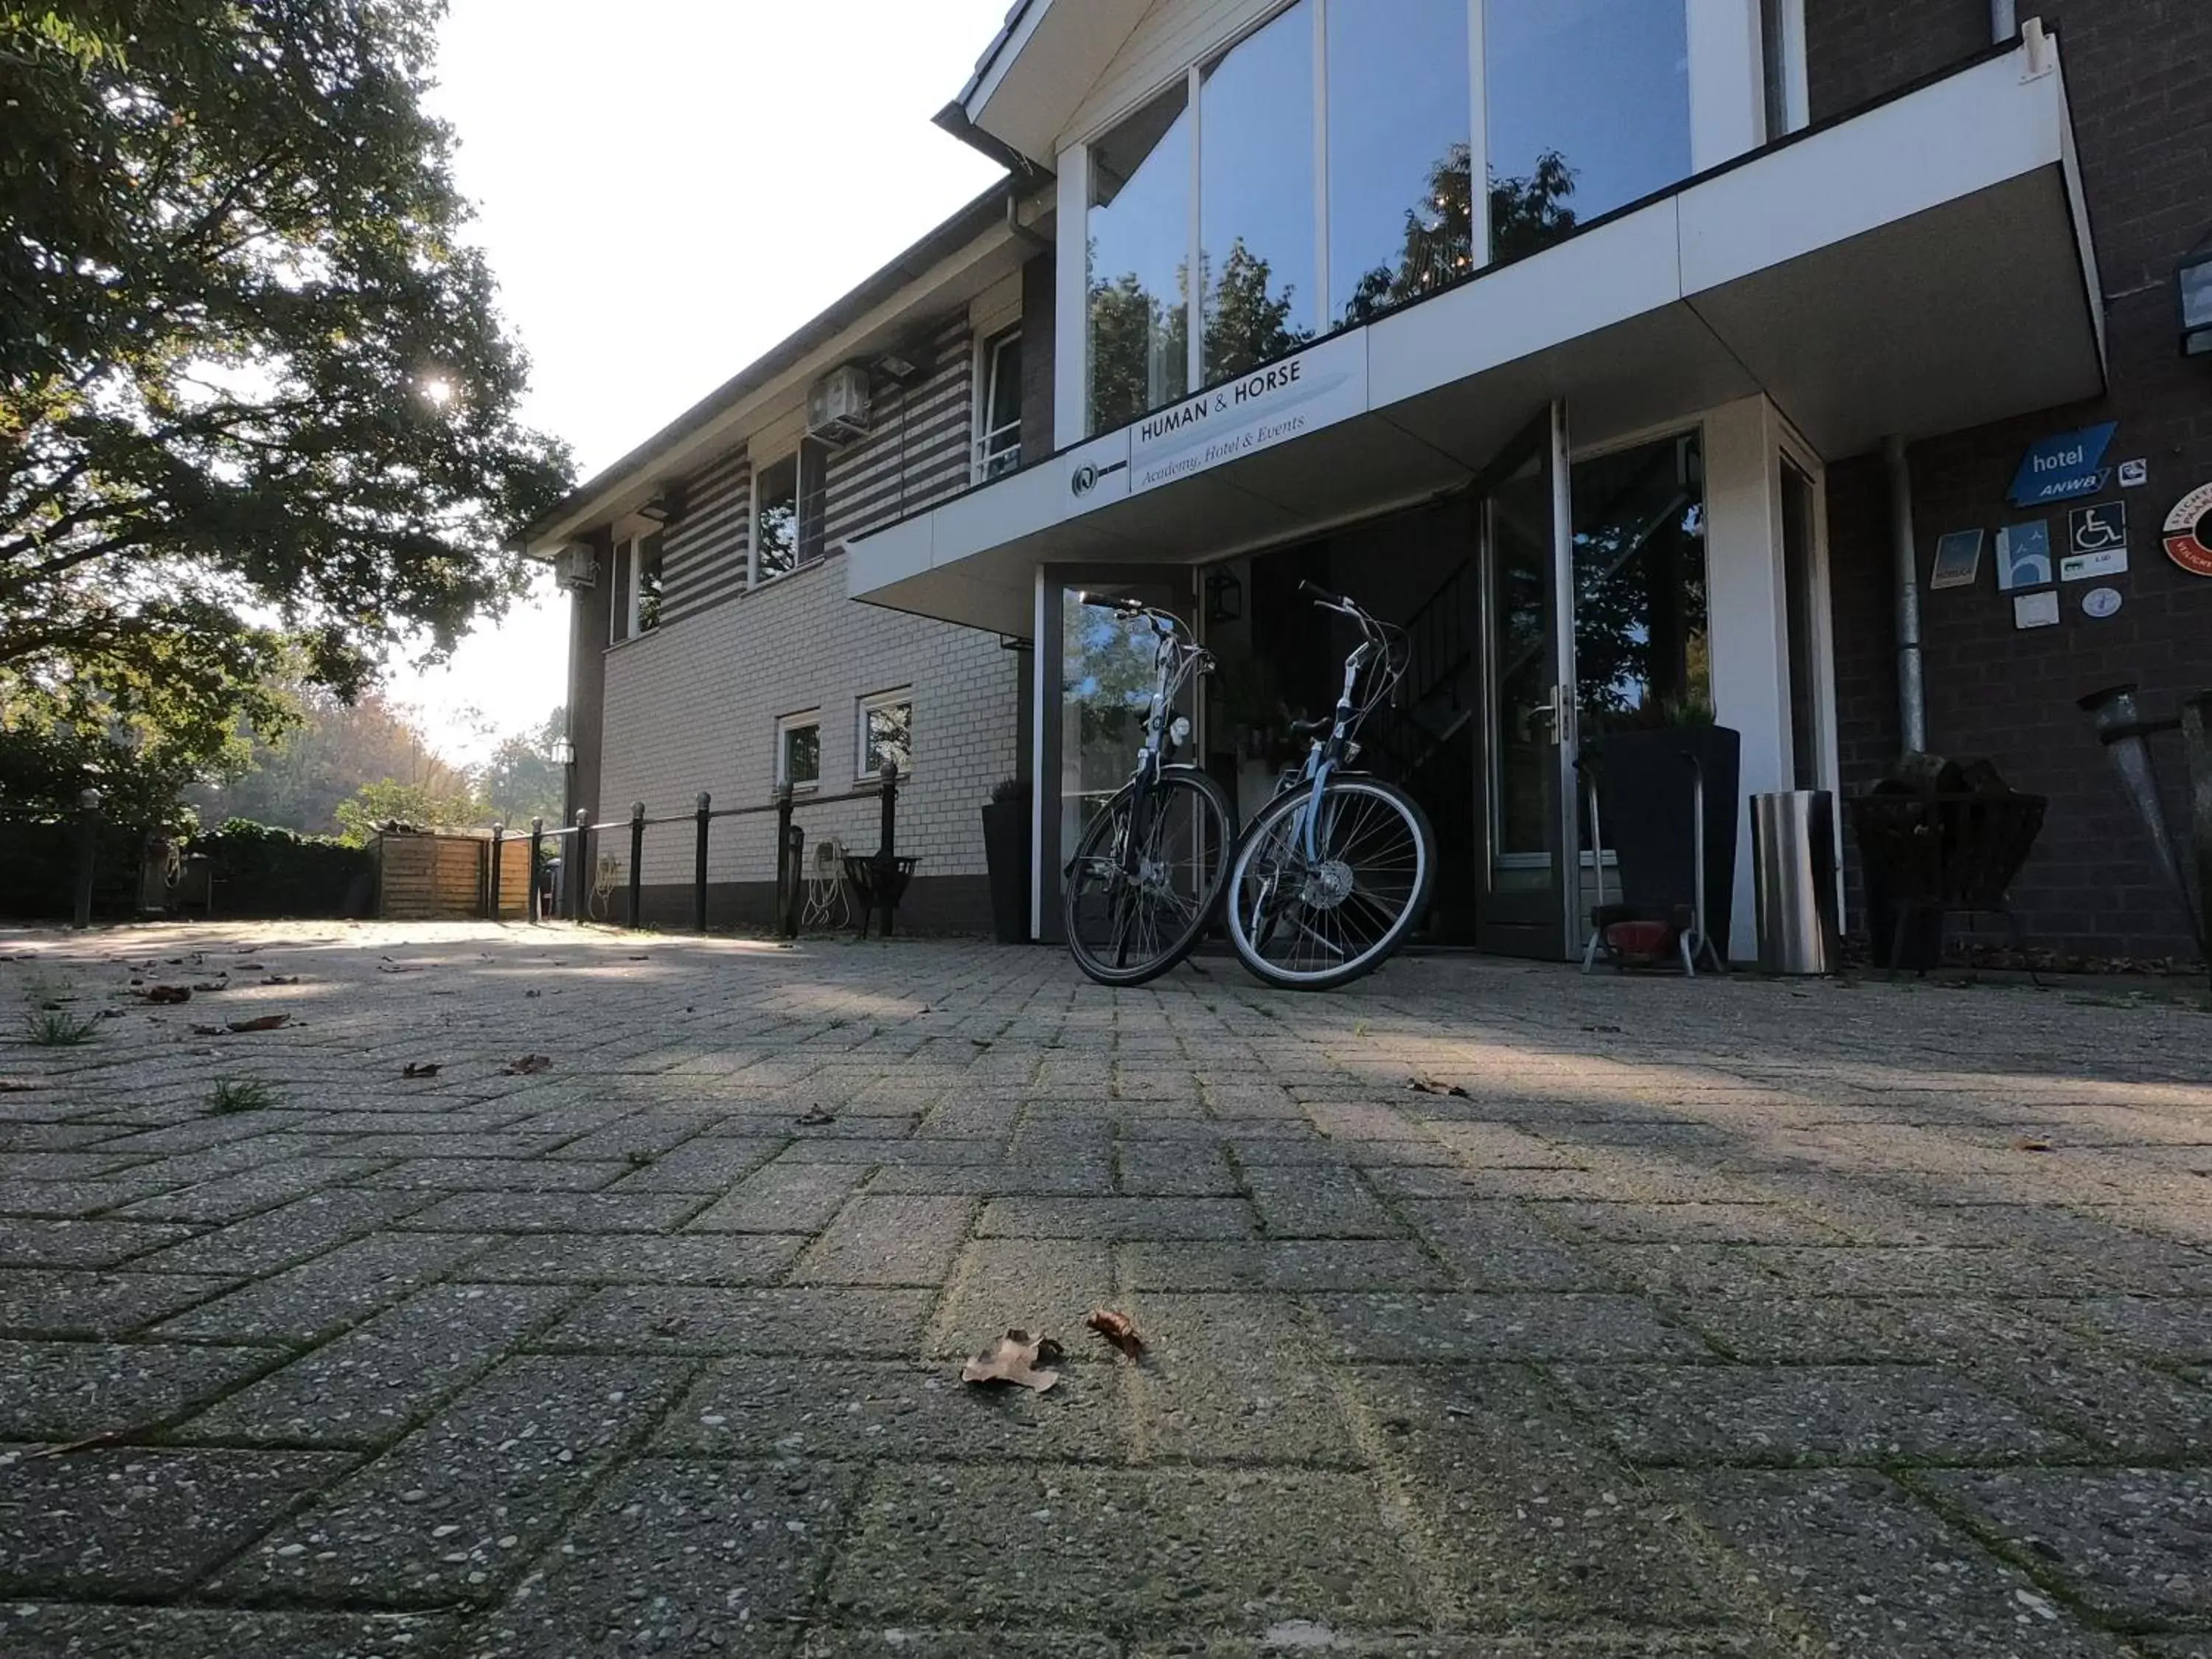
(2194, 281)
(1224, 597)
(564, 752)
(667, 503)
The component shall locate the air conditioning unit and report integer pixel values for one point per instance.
(838, 405)
(576, 567)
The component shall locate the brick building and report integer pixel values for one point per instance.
(1623, 432)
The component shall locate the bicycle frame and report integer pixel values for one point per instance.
(1174, 664)
(1338, 749)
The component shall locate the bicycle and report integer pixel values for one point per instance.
(1146, 875)
(1336, 869)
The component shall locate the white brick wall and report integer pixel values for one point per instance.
(694, 705)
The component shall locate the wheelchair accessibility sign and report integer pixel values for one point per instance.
(2096, 542)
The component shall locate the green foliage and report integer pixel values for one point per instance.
(522, 780)
(1526, 214)
(1140, 349)
(298, 778)
(257, 407)
(231, 1095)
(260, 870)
(1246, 321)
(57, 1028)
(375, 804)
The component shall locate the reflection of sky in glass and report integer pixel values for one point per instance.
(1397, 103)
(1604, 82)
(1139, 227)
(1257, 182)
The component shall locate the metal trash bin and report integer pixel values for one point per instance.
(1793, 847)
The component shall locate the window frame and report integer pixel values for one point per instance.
(875, 701)
(786, 726)
(809, 535)
(988, 350)
(626, 617)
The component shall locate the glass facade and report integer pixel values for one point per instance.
(1642, 656)
(1255, 197)
(1401, 219)
(1139, 264)
(1587, 108)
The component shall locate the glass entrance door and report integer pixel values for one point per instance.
(1526, 560)
(1095, 673)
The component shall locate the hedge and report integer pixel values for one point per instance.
(258, 871)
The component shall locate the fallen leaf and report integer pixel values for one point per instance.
(281, 979)
(529, 1066)
(1119, 1329)
(2031, 1145)
(212, 985)
(401, 966)
(641, 958)
(249, 967)
(1429, 1085)
(814, 1117)
(167, 993)
(207, 1030)
(1601, 1028)
(9, 1085)
(1015, 1358)
(263, 1023)
(420, 1068)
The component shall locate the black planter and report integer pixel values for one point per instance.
(1647, 819)
(1006, 856)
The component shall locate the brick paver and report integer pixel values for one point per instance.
(1732, 1318)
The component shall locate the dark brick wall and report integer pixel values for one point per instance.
(590, 611)
(2142, 110)
(1038, 301)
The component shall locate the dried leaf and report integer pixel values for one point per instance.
(249, 967)
(529, 1066)
(1429, 1085)
(420, 1068)
(281, 979)
(207, 1030)
(261, 1023)
(2031, 1145)
(401, 966)
(814, 1117)
(1015, 1358)
(212, 985)
(162, 993)
(1119, 1329)
(11, 1085)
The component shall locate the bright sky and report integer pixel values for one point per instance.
(666, 188)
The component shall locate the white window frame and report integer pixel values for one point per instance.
(785, 727)
(862, 708)
(796, 454)
(988, 347)
(1728, 105)
(626, 559)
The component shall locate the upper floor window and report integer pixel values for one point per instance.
(635, 602)
(1255, 197)
(1139, 264)
(999, 407)
(790, 501)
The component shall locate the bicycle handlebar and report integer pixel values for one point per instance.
(1108, 602)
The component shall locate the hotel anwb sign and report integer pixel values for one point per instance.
(1316, 388)
(2064, 466)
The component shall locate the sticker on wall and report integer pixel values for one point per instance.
(1957, 559)
(2062, 466)
(2101, 602)
(2023, 556)
(2036, 609)
(2188, 531)
(2096, 541)
(2134, 475)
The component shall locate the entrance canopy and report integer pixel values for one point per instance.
(1918, 268)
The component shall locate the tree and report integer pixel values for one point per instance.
(1525, 213)
(257, 408)
(297, 779)
(424, 805)
(1140, 348)
(522, 780)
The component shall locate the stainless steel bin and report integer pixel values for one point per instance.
(1793, 846)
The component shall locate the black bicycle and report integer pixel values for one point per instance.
(1148, 874)
(1336, 869)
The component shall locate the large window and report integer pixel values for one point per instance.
(790, 507)
(1641, 652)
(1588, 109)
(1401, 207)
(1255, 197)
(999, 407)
(886, 732)
(1139, 267)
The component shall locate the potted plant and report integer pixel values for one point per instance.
(1006, 859)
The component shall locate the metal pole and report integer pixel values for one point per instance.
(887, 854)
(530, 908)
(87, 853)
(498, 835)
(1912, 680)
(699, 869)
(577, 868)
(784, 873)
(636, 858)
(2196, 744)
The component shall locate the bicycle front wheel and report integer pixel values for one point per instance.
(1311, 913)
(1145, 878)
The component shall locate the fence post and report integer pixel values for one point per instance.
(783, 871)
(636, 858)
(2197, 744)
(578, 869)
(498, 835)
(530, 909)
(699, 869)
(887, 854)
(87, 852)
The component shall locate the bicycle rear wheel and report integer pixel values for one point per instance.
(1311, 921)
(1145, 878)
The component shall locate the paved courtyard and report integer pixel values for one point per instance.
(1490, 1310)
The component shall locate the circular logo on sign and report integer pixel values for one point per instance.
(2189, 532)
(1084, 480)
(2102, 602)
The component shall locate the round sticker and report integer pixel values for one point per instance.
(2189, 532)
(2102, 602)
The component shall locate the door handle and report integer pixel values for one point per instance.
(1555, 714)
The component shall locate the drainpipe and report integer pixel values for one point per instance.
(1911, 684)
(2004, 23)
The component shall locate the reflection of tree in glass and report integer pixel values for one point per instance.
(1525, 213)
(1140, 348)
(779, 537)
(1640, 630)
(1107, 672)
(1247, 323)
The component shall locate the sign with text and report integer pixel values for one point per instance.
(1316, 388)
(2063, 467)
(2188, 535)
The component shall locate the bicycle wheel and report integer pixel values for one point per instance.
(1311, 923)
(1143, 884)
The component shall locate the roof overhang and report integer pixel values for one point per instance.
(1919, 267)
(1037, 71)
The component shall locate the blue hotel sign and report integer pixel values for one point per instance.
(2060, 468)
